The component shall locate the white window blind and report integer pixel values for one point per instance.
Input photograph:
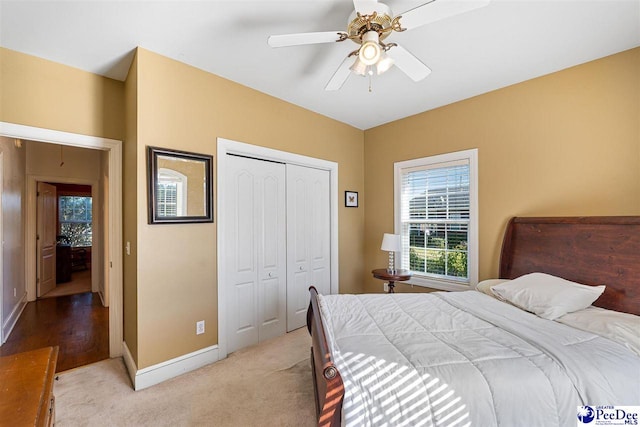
(435, 216)
(167, 194)
(171, 193)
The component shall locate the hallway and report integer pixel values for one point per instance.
(80, 283)
(78, 324)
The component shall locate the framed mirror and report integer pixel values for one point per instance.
(179, 186)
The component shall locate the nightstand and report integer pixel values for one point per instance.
(391, 277)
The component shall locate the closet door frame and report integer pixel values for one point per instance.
(226, 146)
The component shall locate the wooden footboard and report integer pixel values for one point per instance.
(327, 382)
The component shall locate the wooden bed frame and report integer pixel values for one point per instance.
(588, 250)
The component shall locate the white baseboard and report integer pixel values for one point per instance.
(129, 363)
(7, 327)
(156, 374)
(101, 295)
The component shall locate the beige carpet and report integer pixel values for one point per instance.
(265, 385)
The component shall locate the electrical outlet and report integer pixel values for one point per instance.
(14, 292)
(200, 327)
(385, 286)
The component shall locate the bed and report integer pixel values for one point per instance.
(464, 358)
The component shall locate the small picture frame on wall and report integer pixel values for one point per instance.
(351, 199)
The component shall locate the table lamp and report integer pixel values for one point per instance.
(393, 244)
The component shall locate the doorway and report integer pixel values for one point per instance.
(68, 224)
(113, 219)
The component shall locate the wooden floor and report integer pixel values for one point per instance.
(78, 324)
(80, 282)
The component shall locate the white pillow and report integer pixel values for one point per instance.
(547, 296)
(623, 328)
(485, 286)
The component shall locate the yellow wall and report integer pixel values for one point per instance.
(78, 163)
(564, 144)
(185, 108)
(41, 93)
(130, 210)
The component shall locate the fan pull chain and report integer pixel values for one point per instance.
(370, 90)
(61, 158)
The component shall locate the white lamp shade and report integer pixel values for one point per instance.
(359, 67)
(391, 243)
(370, 50)
(384, 63)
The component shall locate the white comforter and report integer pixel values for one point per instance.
(464, 358)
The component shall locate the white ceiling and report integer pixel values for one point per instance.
(506, 42)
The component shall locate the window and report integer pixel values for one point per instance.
(436, 214)
(74, 215)
(171, 193)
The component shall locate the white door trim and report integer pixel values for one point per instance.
(114, 149)
(226, 146)
(1, 249)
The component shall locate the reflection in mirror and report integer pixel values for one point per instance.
(171, 191)
(180, 190)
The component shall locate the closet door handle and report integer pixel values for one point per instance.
(301, 268)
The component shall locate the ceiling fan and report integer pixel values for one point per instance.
(369, 25)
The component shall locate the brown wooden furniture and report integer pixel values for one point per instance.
(26, 394)
(78, 259)
(589, 250)
(327, 382)
(396, 276)
(63, 263)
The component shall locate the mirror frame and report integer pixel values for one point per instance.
(152, 178)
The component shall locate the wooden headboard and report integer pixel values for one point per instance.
(589, 250)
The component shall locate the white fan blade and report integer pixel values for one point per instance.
(437, 10)
(341, 74)
(304, 38)
(365, 7)
(409, 64)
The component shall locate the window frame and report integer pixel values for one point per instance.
(61, 221)
(399, 168)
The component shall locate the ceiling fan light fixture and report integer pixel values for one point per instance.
(359, 67)
(370, 50)
(384, 63)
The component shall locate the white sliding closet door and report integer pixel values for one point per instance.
(308, 239)
(256, 246)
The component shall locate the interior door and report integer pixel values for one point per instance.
(256, 242)
(308, 239)
(46, 236)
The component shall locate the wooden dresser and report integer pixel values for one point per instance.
(26, 388)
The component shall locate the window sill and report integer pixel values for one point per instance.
(438, 284)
